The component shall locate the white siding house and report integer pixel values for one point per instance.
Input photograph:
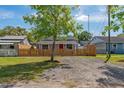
(9, 45)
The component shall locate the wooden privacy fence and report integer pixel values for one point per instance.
(89, 50)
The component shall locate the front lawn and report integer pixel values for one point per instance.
(20, 60)
(13, 69)
(115, 58)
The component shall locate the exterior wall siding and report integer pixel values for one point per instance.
(6, 51)
(102, 48)
(57, 46)
(120, 49)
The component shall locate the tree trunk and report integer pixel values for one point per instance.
(53, 51)
(109, 35)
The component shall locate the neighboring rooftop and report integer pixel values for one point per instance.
(9, 41)
(12, 37)
(69, 38)
(57, 42)
(113, 39)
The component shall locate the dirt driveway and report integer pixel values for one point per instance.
(79, 72)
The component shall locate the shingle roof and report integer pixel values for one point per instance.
(69, 38)
(113, 39)
(9, 41)
(12, 37)
(58, 42)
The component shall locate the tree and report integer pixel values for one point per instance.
(108, 29)
(84, 36)
(120, 35)
(32, 37)
(52, 21)
(117, 19)
(116, 14)
(18, 31)
(10, 30)
(2, 33)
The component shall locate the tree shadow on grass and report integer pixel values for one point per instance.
(115, 76)
(28, 71)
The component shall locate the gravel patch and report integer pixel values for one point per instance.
(79, 73)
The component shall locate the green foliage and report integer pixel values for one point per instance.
(18, 31)
(2, 33)
(84, 36)
(52, 21)
(10, 30)
(31, 37)
(117, 18)
(120, 35)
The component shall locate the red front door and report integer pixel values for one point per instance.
(61, 46)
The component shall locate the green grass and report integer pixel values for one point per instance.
(115, 58)
(20, 60)
(13, 69)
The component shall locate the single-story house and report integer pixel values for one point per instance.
(70, 43)
(101, 42)
(9, 45)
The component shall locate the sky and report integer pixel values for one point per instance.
(13, 16)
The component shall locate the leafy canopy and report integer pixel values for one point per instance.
(52, 21)
(84, 36)
(10, 30)
(120, 35)
(117, 18)
(17, 31)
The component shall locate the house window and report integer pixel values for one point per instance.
(11, 46)
(44, 46)
(69, 46)
(114, 45)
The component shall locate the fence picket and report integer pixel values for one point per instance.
(89, 50)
